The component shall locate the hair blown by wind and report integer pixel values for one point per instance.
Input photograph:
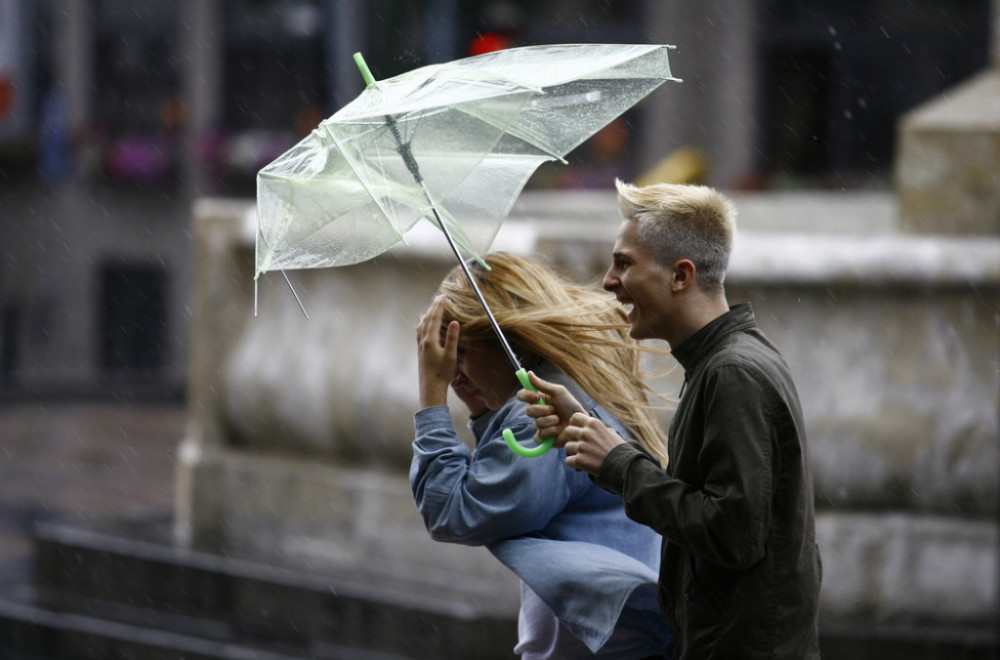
(578, 329)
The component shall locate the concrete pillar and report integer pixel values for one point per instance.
(715, 108)
(996, 34)
(16, 68)
(221, 302)
(346, 37)
(202, 37)
(73, 26)
(68, 283)
(442, 31)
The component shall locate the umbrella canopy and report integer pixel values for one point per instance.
(453, 143)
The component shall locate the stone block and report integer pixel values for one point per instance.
(948, 161)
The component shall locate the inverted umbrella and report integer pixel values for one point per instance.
(451, 143)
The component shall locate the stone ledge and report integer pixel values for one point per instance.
(903, 568)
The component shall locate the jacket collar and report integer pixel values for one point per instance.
(694, 348)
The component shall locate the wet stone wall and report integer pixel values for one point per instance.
(298, 441)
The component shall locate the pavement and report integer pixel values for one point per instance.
(82, 462)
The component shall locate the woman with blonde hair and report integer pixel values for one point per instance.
(588, 573)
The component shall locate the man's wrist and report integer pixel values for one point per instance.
(612, 472)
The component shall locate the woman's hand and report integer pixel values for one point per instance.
(437, 356)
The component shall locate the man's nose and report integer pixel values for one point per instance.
(610, 281)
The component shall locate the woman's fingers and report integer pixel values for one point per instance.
(430, 322)
(436, 355)
(548, 426)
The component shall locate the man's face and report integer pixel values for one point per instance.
(637, 279)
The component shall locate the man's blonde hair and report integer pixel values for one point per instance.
(683, 222)
(578, 329)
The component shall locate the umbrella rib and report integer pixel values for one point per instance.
(287, 281)
(292, 289)
(364, 183)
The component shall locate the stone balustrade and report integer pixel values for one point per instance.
(300, 429)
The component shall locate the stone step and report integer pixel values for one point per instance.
(99, 595)
(866, 640)
(122, 580)
(29, 632)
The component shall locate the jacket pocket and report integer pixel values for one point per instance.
(713, 590)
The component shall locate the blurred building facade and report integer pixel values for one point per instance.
(115, 116)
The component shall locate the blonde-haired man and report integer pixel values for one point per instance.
(740, 571)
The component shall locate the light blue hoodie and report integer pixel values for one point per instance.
(566, 538)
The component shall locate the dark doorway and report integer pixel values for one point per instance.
(798, 101)
(837, 75)
(133, 317)
(9, 326)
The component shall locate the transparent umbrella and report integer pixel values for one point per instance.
(451, 143)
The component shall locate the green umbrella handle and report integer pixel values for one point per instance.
(508, 435)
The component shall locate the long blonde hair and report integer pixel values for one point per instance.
(579, 330)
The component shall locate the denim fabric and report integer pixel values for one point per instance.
(566, 538)
(588, 586)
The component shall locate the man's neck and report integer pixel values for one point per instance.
(699, 311)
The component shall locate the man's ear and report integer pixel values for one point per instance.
(682, 275)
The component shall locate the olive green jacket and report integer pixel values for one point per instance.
(740, 570)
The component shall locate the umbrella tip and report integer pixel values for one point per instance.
(365, 72)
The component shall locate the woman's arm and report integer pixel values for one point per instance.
(487, 496)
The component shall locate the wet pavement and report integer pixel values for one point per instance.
(83, 463)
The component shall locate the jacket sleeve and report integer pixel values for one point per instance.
(722, 515)
(481, 497)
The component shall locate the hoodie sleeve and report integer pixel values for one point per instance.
(487, 495)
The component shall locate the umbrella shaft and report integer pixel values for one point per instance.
(411, 165)
(407, 153)
(475, 287)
